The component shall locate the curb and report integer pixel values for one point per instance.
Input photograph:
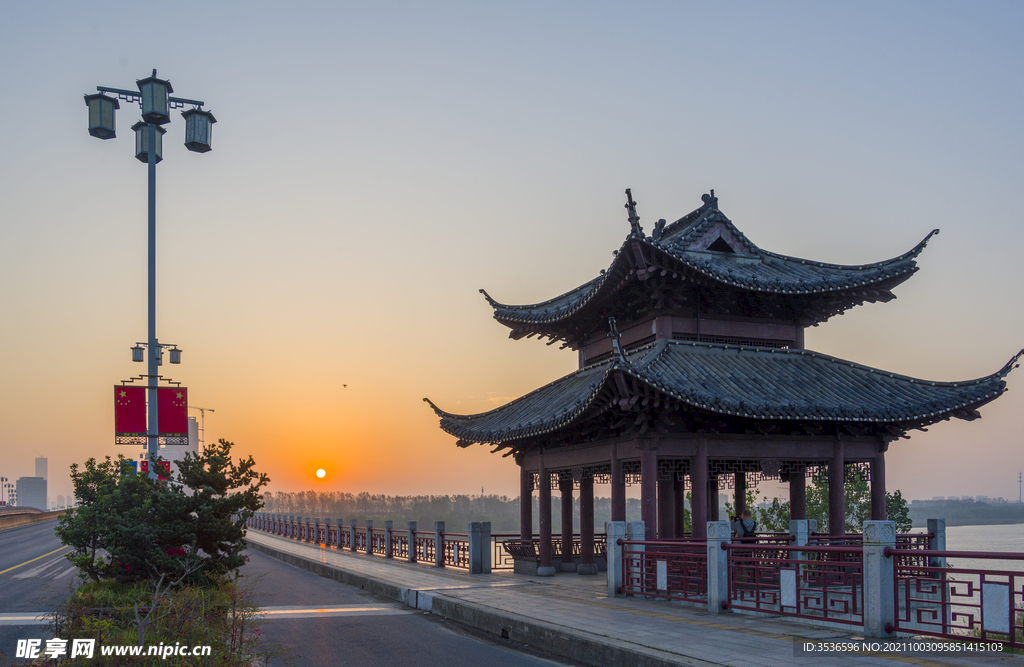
(550, 638)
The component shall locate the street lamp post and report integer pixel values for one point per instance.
(156, 103)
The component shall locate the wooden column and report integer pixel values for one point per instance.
(565, 486)
(740, 496)
(699, 491)
(679, 493)
(798, 495)
(837, 490)
(618, 487)
(544, 510)
(587, 565)
(878, 510)
(666, 509)
(525, 505)
(649, 491)
(712, 498)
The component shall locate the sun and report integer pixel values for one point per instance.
(321, 473)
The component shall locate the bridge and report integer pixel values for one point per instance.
(654, 603)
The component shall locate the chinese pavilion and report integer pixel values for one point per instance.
(693, 374)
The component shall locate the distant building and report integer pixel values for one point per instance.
(31, 492)
(60, 502)
(938, 498)
(175, 453)
(41, 466)
(967, 499)
(982, 499)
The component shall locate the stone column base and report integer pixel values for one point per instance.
(548, 571)
(567, 567)
(586, 568)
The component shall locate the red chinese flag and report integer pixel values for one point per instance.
(130, 411)
(172, 405)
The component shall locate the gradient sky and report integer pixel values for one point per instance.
(375, 164)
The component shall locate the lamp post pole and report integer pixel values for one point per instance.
(152, 429)
(156, 103)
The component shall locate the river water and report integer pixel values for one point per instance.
(1001, 537)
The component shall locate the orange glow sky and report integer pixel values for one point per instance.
(375, 164)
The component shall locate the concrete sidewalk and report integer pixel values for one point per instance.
(572, 616)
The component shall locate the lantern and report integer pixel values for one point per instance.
(175, 355)
(101, 115)
(142, 142)
(156, 107)
(137, 353)
(198, 127)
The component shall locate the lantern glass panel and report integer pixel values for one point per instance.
(155, 103)
(101, 115)
(142, 142)
(198, 129)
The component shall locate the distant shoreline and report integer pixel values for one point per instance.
(968, 514)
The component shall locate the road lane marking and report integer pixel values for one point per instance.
(31, 561)
(270, 613)
(40, 569)
(24, 618)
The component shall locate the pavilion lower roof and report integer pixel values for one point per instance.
(812, 291)
(674, 381)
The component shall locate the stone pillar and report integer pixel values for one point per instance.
(339, 533)
(475, 550)
(666, 509)
(369, 537)
(937, 542)
(615, 531)
(837, 490)
(525, 504)
(388, 544)
(439, 544)
(411, 541)
(352, 535)
(635, 532)
(565, 486)
(712, 497)
(316, 535)
(327, 532)
(485, 546)
(679, 493)
(878, 488)
(740, 495)
(879, 586)
(587, 565)
(649, 490)
(719, 533)
(618, 490)
(544, 567)
(699, 490)
(798, 495)
(800, 531)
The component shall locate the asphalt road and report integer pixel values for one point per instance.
(33, 575)
(314, 620)
(363, 629)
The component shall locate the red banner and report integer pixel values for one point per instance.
(129, 411)
(172, 406)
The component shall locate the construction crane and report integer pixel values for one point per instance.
(202, 424)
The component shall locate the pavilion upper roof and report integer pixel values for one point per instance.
(705, 248)
(770, 388)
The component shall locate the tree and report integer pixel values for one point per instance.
(132, 528)
(775, 517)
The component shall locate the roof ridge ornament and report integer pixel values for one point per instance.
(710, 201)
(634, 219)
(613, 333)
